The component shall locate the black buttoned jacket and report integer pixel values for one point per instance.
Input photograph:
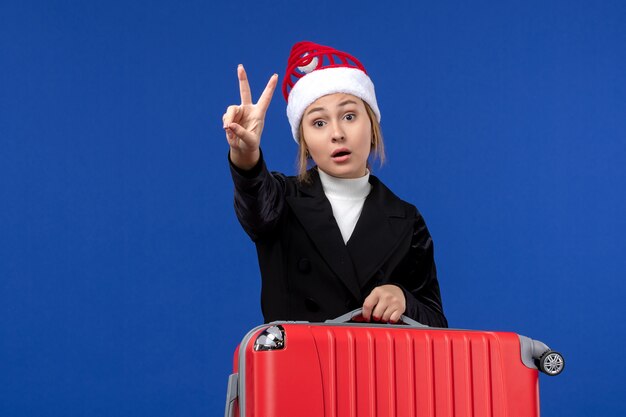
(309, 273)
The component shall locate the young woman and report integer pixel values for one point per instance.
(333, 238)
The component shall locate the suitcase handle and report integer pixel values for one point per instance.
(232, 395)
(355, 313)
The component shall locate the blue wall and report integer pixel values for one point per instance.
(125, 279)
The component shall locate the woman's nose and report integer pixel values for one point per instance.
(338, 134)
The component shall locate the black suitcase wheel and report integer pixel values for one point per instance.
(551, 363)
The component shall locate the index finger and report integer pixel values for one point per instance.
(368, 306)
(244, 86)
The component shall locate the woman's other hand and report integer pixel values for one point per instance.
(385, 304)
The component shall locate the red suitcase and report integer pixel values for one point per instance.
(336, 369)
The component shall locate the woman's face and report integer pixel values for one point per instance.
(338, 134)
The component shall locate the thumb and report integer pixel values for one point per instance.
(246, 136)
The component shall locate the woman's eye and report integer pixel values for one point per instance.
(350, 116)
(318, 123)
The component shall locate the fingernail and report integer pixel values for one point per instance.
(240, 65)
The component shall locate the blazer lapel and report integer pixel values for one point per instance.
(382, 226)
(315, 213)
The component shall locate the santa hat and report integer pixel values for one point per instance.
(316, 70)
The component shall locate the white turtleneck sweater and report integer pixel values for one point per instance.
(346, 196)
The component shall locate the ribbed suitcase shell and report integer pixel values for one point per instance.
(361, 370)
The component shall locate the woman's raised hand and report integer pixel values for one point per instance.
(244, 123)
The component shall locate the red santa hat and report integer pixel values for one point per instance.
(316, 70)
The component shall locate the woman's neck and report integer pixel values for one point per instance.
(348, 188)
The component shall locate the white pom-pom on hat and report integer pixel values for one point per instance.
(310, 66)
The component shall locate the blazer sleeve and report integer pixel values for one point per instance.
(259, 198)
(419, 283)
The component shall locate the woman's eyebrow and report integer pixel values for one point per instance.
(343, 103)
(314, 109)
(346, 102)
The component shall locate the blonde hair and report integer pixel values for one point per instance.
(377, 149)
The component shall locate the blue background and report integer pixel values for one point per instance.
(125, 279)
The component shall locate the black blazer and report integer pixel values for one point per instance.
(309, 273)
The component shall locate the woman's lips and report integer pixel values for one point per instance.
(340, 155)
(342, 158)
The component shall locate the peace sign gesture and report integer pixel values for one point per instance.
(244, 123)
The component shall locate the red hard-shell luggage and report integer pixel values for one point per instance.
(338, 369)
